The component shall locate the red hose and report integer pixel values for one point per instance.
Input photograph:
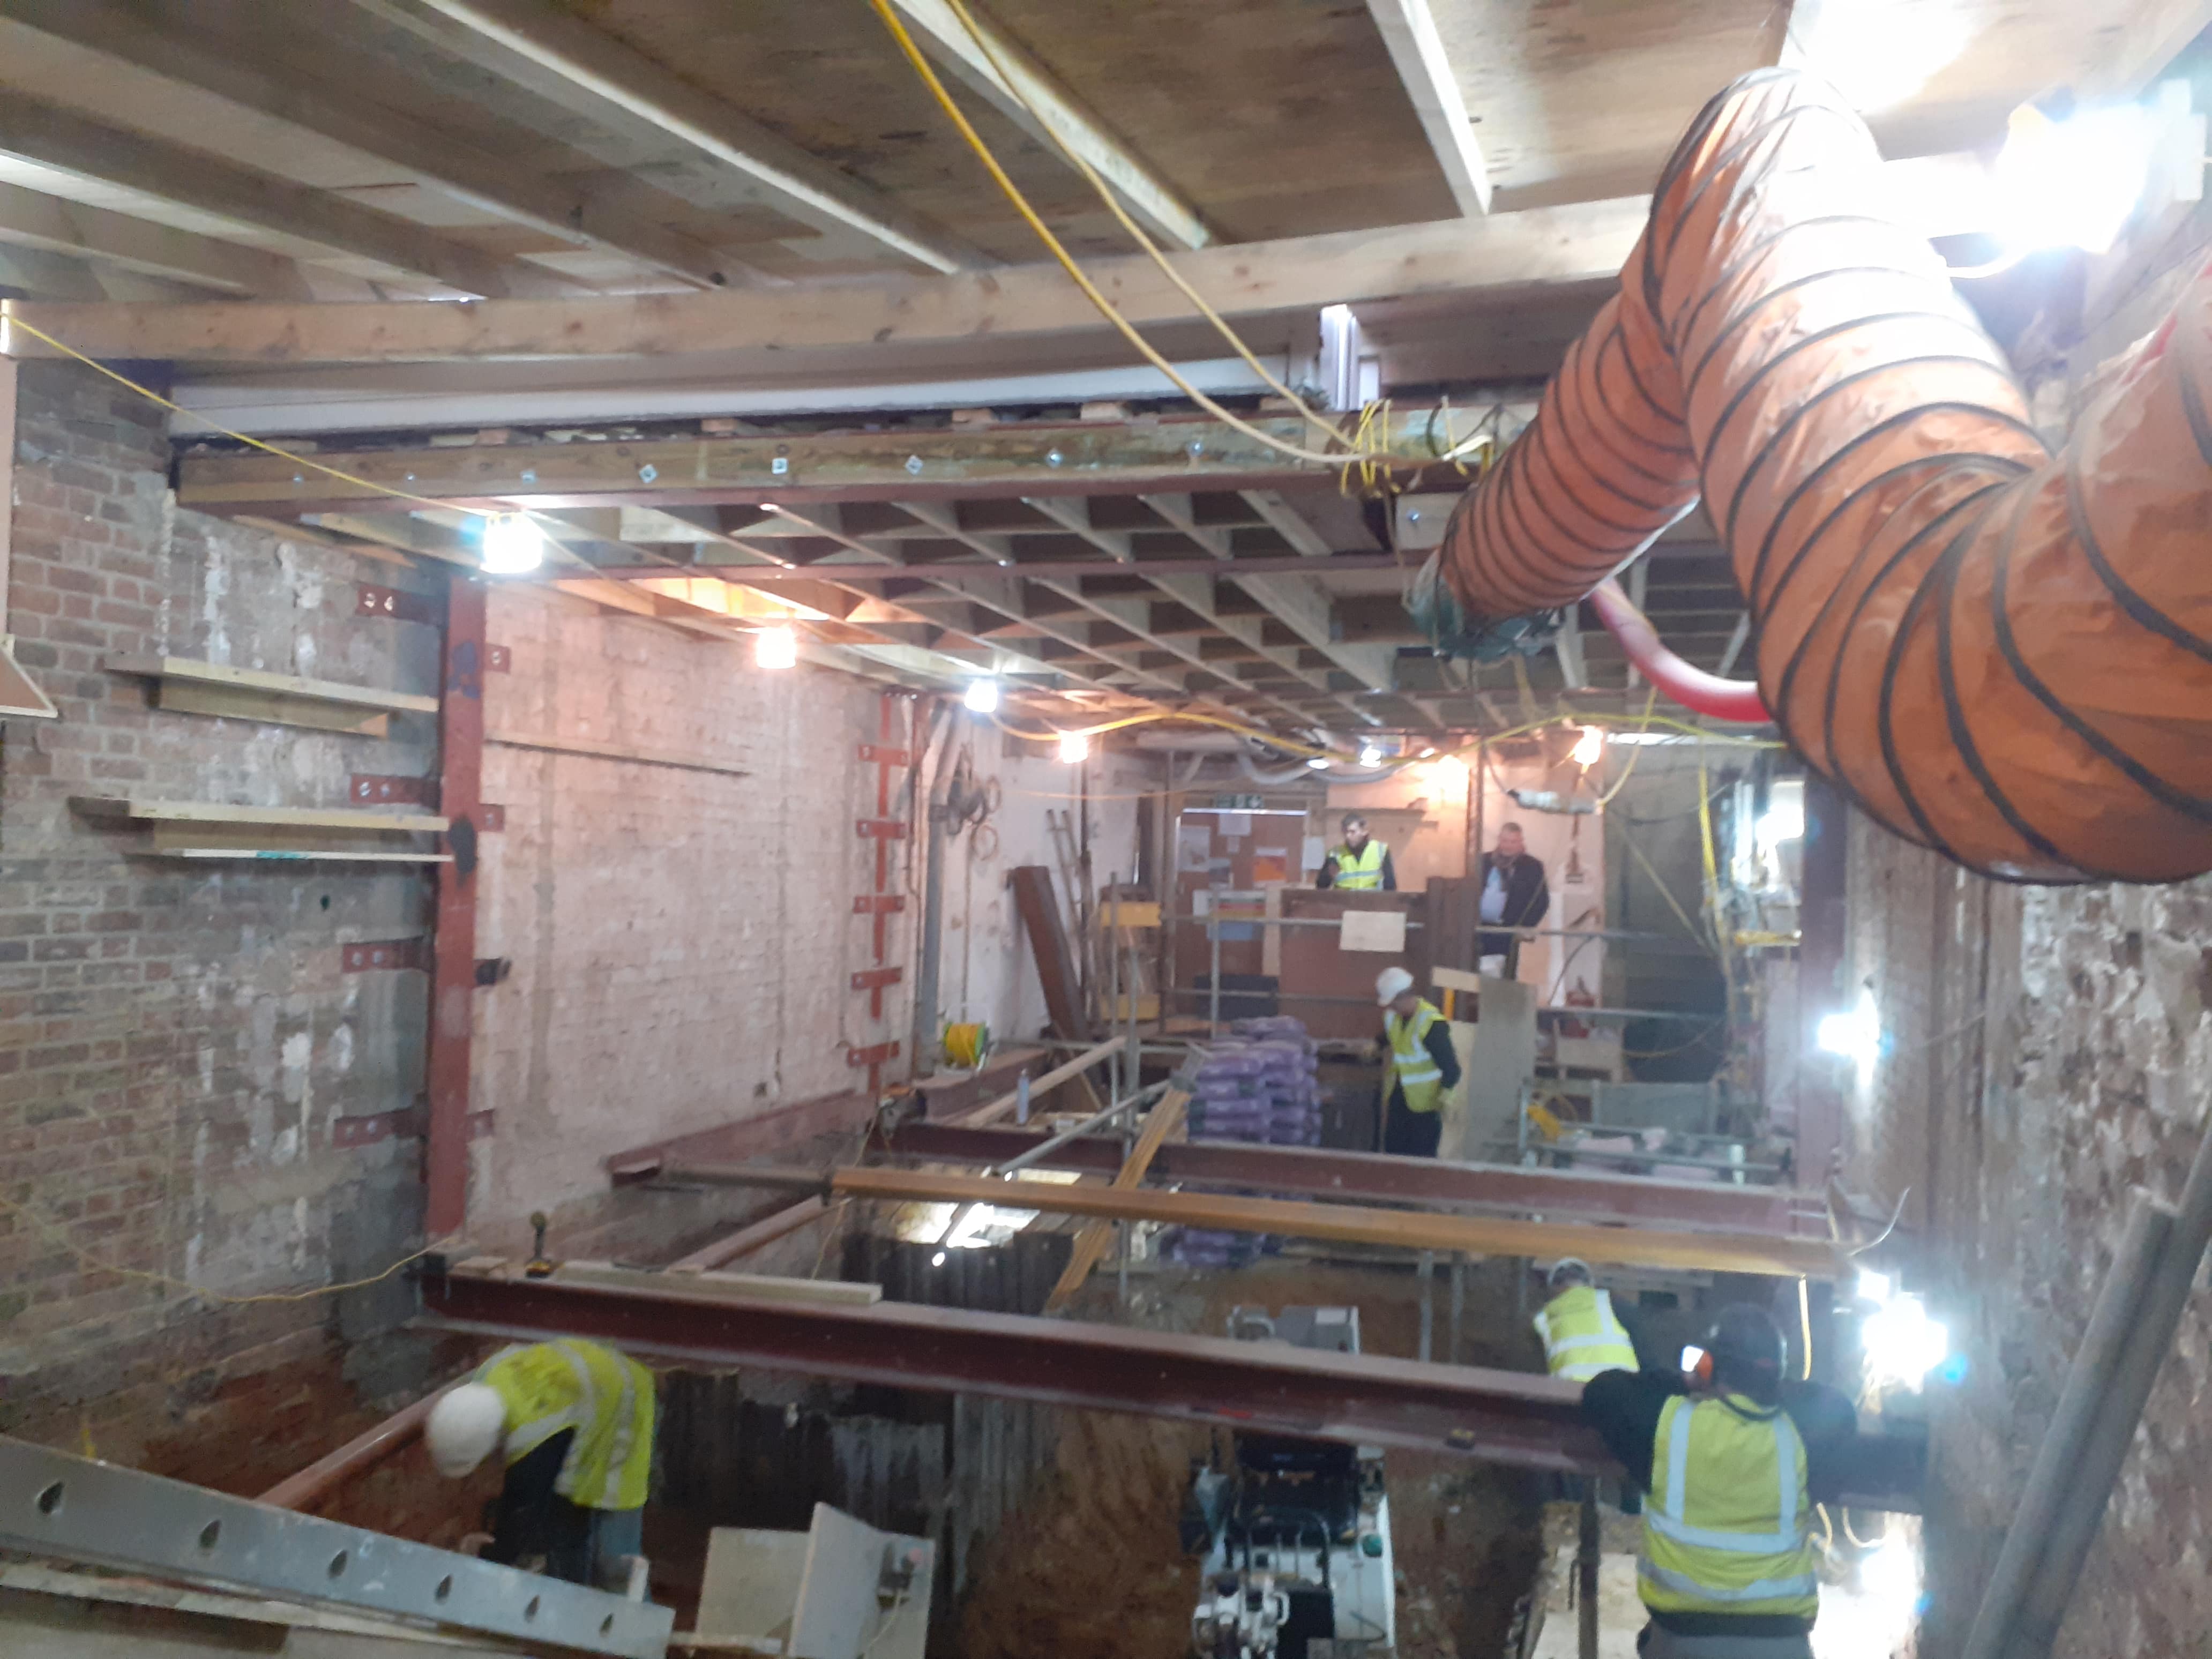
(1688, 684)
(1996, 651)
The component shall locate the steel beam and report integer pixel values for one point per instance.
(74, 1509)
(1503, 1417)
(1712, 1206)
(454, 961)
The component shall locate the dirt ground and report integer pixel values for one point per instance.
(1094, 1570)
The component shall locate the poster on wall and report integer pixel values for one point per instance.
(1271, 866)
(1193, 846)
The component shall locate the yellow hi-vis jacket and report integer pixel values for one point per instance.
(1360, 872)
(1410, 1066)
(1727, 1529)
(607, 1397)
(1582, 1336)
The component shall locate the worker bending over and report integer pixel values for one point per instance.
(1360, 865)
(1420, 1068)
(1581, 1334)
(1734, 1459)
(575, 1422)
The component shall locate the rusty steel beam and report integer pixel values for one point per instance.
(1711, 1206)
(355, 1458)
(1505, 1417)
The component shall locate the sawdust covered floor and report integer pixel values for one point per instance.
(1091, 1568)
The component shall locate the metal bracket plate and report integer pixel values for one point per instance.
(882, 829)
(869, 979)
(372, 789)
(391, 602)
(367, 958)
(498, 660)
(56, 1505)
(876, 904)
(877, 753)
(874, 1055)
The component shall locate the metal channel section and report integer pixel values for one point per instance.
(74, 1509)
(1772, 1212)
(1503, 1417)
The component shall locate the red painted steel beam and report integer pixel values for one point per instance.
(1770, 1211)
(453, 960)
(355, 1458)
(1503, 1417)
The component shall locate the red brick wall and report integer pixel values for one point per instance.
(176, 1038)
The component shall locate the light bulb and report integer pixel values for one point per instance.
(982, 696)
(1874, 1286)
(1902, 1344)
(1856, 1035)
(1074, 747)
(512, 544)
(1370, 756)
(776, 648)
(1589, 748)
(1319, 763)
(1784, 821)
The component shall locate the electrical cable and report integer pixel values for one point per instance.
(1091, 290)
(85, 1258)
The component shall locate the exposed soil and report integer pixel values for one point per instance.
(1094, 1570)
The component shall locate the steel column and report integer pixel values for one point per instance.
(453, 963)
(1507, 1417)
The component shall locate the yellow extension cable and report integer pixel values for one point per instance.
(1353, 457)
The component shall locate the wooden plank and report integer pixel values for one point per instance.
(992, 1111)
(602, 69)
(279, 685)
(334, 110)
(1546, 247)
(279, 845)
(1417, 52)
(296, 817)
(1049, 944)
(1023, 91)
(9, 374)
(33, 130)
(237, 703)
(1162, 1121)
(1347, 1224)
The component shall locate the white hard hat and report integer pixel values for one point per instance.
(465, 1427)
(1391, 984)
(1566, 1267)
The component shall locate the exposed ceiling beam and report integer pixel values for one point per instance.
(496, 184)
(1508, 257)
(1418, 52)
(1075, 569)
(52, 136)
(604, 70)
(31, 219)
(1031, 459)
(35, 271)
(1302, 605)
(998, 70)
(2145, 46)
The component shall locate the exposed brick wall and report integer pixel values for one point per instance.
(2046, 1051)
(682, 940)
(176, 1039)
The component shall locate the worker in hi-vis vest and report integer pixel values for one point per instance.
(1582, 1334)
(1419, 1068)
(1733, 1460)
(575, 1422)
(1361, 865)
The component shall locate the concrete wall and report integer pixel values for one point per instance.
(177, 1040)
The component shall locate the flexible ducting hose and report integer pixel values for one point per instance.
(1996, 651)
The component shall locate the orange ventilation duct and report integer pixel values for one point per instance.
(1999, 652)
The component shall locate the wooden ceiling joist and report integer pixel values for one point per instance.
(1417, 52)
(998, 70)
(31, 219)
(599, 70)
(508, 186)
(52, 136)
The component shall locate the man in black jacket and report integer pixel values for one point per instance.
(1514, 895)
(1734, 1459)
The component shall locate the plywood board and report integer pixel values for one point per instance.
(1502, 1058)
(751, 1582)
(839, 1614)
(1373, 930)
